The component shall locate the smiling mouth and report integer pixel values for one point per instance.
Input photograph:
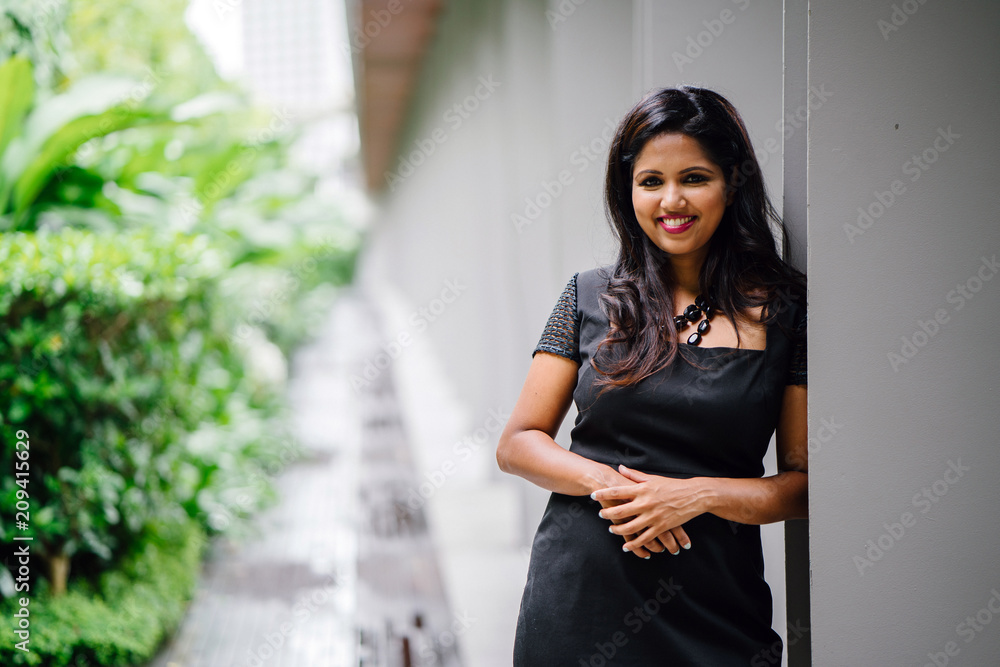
(676, 224)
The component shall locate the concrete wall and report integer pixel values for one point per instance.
(904, 305)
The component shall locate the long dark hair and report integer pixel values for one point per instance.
(742, 269)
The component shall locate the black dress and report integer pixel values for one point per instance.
(586, 602)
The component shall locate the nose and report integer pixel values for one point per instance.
(673, 197)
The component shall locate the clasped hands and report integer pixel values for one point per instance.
(649, 511)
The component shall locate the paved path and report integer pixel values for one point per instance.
(342, 572)
(474, 512)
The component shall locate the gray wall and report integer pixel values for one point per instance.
(799, 103)
(904, 408)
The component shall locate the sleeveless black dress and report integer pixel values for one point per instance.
(586, 602)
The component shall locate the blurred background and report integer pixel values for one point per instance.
(272, 273)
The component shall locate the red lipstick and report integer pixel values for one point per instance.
(675, 229)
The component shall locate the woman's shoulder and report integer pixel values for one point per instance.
(594, 278)
(588, 285)
(792, 301)
(787, 304)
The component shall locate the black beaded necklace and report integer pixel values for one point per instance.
(691, 315)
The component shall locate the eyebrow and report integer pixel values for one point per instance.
(682, 171)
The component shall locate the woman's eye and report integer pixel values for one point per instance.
(695, 178)
(651, 181)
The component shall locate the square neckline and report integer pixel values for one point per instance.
(767, 344)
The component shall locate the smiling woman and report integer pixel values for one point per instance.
(667, 449)
(676, 189)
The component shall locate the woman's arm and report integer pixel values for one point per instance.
(528, 449)
(779, 497)
(527, 446)
(659, 503)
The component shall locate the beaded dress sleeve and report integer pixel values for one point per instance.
(562, 331)
(797, 368)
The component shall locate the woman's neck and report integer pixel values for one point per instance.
(687, 275)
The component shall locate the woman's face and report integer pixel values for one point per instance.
(679, 195)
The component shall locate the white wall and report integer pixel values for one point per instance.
(909, 459)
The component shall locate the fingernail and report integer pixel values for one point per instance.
(593, 496)
(645, 557)
(625, 548)
(674, 553)
(601, 514)
(686, 546)
(609, 529)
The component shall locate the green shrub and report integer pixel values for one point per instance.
(115, 359)
(120, 621)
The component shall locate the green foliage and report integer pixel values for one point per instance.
(35, 29)
(115, 358)
(122, 619)
(17, 90)
(140, 39)
(159, 261)
(37, 141)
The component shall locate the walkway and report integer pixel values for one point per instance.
(342, 572)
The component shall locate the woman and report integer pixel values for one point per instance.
(683, 357)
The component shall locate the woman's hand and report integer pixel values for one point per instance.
(650, 510)
(608, 477)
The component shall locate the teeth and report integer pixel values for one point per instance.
(677, 222)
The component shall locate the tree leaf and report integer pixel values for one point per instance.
(91, 96)
(62, 144)
(17, 91)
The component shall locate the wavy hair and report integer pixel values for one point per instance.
(743, 268)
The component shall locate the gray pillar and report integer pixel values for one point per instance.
(904, 305)
(796, 107)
